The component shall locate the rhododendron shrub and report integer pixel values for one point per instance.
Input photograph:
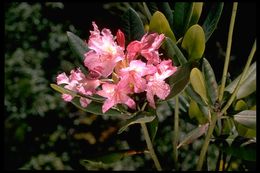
(134, 71)
(116, 73)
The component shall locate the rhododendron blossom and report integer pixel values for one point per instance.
(116, 93)
(104, 53)
(117, 73)
(147, 47)
(78, 82)
(134, 75)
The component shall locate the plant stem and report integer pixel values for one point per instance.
(215, 117)
(206, 142)
(233, 96)
(227, 57)
(150, 147)
(176, 132)
(219, 160)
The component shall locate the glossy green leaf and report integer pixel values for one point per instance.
(212, 19)
(245, 131)
(169, 51)
(198, 83)
(210, 81)
(95, 108)
(194, 42)
(246, 118)
(179, 80)
(141, 117)
(152, 6)
(153, 127)
(197, 9)
(242, 151)
(248, 85)
(111, 157)
(159, 24)
(193, 95)
(78, 46)
(205, 110)
(193, 135)
(196, 114)
(62, 90)
(165, 8)
(240, 105)
(183, 103)
(227, 126)
(181, 17)
(132, 26)
(174, 52)
(147, 13)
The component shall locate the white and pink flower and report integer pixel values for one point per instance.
(105, 52)
(137, 69)
(77, 82)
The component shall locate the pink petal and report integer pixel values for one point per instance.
(151, 56)
(84, 102)
(133, 49)
(107, 105)
(120, 37)
(107, 91)
(76, 75)
(129, 102)
(150, 98)
(66, 97)
(62, 79)
(166, 69)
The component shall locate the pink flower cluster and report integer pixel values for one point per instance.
(120, 72)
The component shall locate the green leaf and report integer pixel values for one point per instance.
(111, 157)
(246, 118)
(240, 105)
(165, 8)
(63, 90)
(132, 25)
(198, 83)
(245, 131)
(174, 52)
(194, 42)
(193, 95)
(66, 66)
(147, 12)
(196, 114)
(153, 127)
(152, 7)
(243, 151)
(179, 80)
(212, 19)
(183, 103)
(210, 81)
(159, 24)
(193, 135)
(197, 9)
(78, 46)
(141, 117)
(227, 126)
(75, 94)
(95, 108)
(181, 17)
(248, 85)
(169, 51)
